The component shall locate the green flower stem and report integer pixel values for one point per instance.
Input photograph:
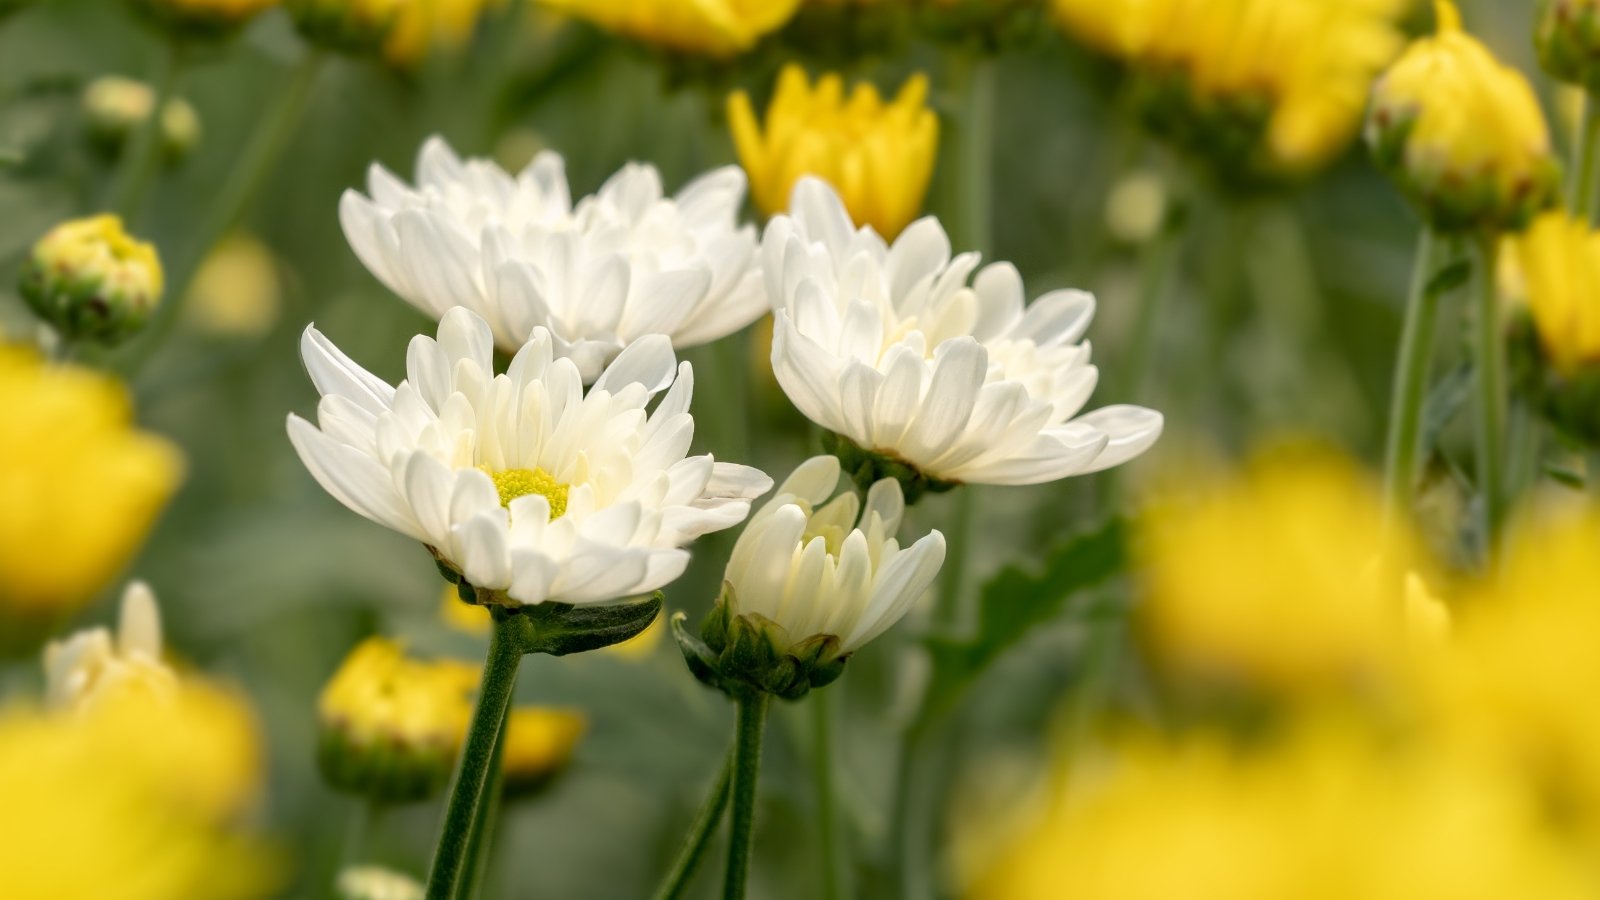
(1410, 383)
(751, 721)
(362, 816)
(1489, 349)
(1158, 260)
(948, 610)
(142, 155)
(1585, 162)
(694, 847)
(473, 773)
(822, 781)
(906, 817)
(482, 840)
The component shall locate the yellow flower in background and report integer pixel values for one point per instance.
(82, 488)
(1463, 131)
(1293, 73)
(392, 725)
(95, 666)
(202, 18)
(423, 27)
(237, 292)
(1324, 815)
(1284, 577)
(879, 156)
(539, 744)
(473, 619)
(137, 799)
(91, 280)
(1558, 258)
(116, 106)
(715, 28)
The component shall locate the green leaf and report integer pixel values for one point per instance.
(1018, 600)
(561, 628)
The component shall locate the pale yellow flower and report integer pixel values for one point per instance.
(237, 292)
(879, 156)
(1558, 259)
(715, 28)
(82, 488)
(116, 106)
(92, 280)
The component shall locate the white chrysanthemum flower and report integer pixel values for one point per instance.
(95, 663)
(890, 347)
(805, 564)
(529, 487)
(622, 264)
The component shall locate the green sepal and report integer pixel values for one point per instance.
(868, 467)
(382, 768)
(743, 653)
(558, 629)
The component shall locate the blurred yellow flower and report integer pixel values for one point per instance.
(237, 292)
(423, 27)
(1464, 132)
(473, 619)
(715, 28)
(136, 799)
(1568, 39)
(1322, 816)
(202, 18)
(392, 725)
(91, 280)
(1284, 577)
(1558, 259)
(878, 156)
(93, 665)
(1294, 73)
(539, 744)
(116, 106)
(82, 488)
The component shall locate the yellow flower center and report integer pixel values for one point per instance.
(514, 483)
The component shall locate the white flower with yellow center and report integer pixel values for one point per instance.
(622, 264)
(818, 568)
(529, 487)
(890, 347)
(95, 663)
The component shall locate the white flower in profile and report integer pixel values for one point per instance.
(94, 663)
(816, 568)
(527, 486)
(890, 347)
(622, 264)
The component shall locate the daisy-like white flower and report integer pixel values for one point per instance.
(890, 348)
(525, 485)
(622, 264)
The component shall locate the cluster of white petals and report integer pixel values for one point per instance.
(805, 564)
(528, 485)
(94, 663)
(891, 347)
(618, 266)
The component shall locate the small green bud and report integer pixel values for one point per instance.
(116, 107)
(93, 281)
(743, 653)
(1568, 39)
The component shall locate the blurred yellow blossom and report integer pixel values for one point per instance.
(137, 799)
(1283, 576)
(91, 280)
(715, 28)
(879, 156)
(1558, 259)
(94, 664)
(539, 744)
(116, 106)
(1463, 132)
(391, 724)
(1293, 74)
(237, 292)
(82, 488)
(422, 27)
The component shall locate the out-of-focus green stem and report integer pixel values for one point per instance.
(1489, 350)
(1158, 260)
(822, 780)
(751, 722)
(481, 842)
(142, 155)
(1585, 162)
(694, 846)
(1410, 383)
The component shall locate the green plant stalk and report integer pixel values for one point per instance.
(822, 781)
(1489, 350)
(482, 841)
(142, 156)
(694, 846)
(1410, 383)
(751, 721)
(1585, 162)
(469, 790)
(1158, 260)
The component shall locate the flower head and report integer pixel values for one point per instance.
(539, 745)
(237, 291)
(879, 156)
(115, 107)
(82, 488)
(1559, 258)
(622, 264)
(714, 28)
(923, 376)
(1463, 131)
(92, 280)
(521, 483)
(202, 19)
(1568, 38)
(95, 664)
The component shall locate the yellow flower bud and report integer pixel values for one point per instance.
(714, 28)
(93, 281)
(1568, 38)
(357, 27)
(1463, 133)
(1559, 258)
(201, 19)
(116, 106)
(421, 29)
(539, 744)
(82, 488)
(878, 156)
(392, 725)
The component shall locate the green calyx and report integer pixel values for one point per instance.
(82, 307)
(1568, 40)
(746, 654)
(383, 768)
(868, 467)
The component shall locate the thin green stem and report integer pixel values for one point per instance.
(976, 161)
(362, 814)
(470, 789)
(142, 155)
(694, 846)
(751, 721)
(481, 841)
(1586, 162)
(949, 612)
(907, 821)
(1157, 262)
(1410, 383)
(822, 781)
(1489, 350)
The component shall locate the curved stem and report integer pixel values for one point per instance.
(469, 791)
(1489, 349)
(1410, 384)
(822, 781)
(143, 153)
(1585, 162)
(694, 846)
(752, 719)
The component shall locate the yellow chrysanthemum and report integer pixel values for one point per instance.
(131, 800)
(1464, 132)
(81, 486)
(879, 156)
(539, 744)
(1293, 73)
(423, 27)
(1322, 597)
(715, 28)
(1558, 259)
